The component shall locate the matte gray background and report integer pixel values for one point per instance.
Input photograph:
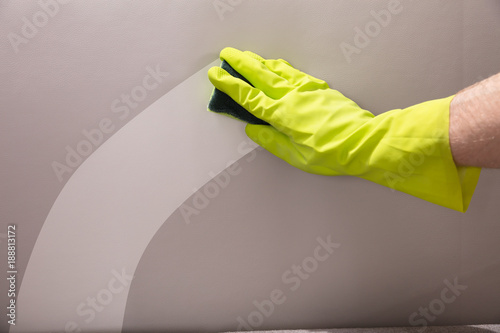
(396, 250)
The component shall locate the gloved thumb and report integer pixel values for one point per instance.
(276, 142)
(280, 145)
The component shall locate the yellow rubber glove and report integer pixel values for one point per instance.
(319, 130)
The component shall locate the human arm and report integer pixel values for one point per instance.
(319, 130)
(475, 124)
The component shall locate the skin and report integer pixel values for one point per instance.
(475, 124)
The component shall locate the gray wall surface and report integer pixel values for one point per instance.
(136, 208)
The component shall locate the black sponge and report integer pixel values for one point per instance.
(222, 103)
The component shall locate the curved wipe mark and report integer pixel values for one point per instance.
(103, 219)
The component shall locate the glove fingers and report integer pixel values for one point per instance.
(262, 60)
(257, 73)
(240, 91)
(286, 71)
(293, 75)
(254, 55)
(272, 140)
(285, 62)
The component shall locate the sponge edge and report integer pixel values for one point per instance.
(222, 103)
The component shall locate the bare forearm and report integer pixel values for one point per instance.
(475, 124)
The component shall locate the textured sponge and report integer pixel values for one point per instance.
(222, 103)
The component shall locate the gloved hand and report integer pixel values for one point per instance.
(319, 130)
